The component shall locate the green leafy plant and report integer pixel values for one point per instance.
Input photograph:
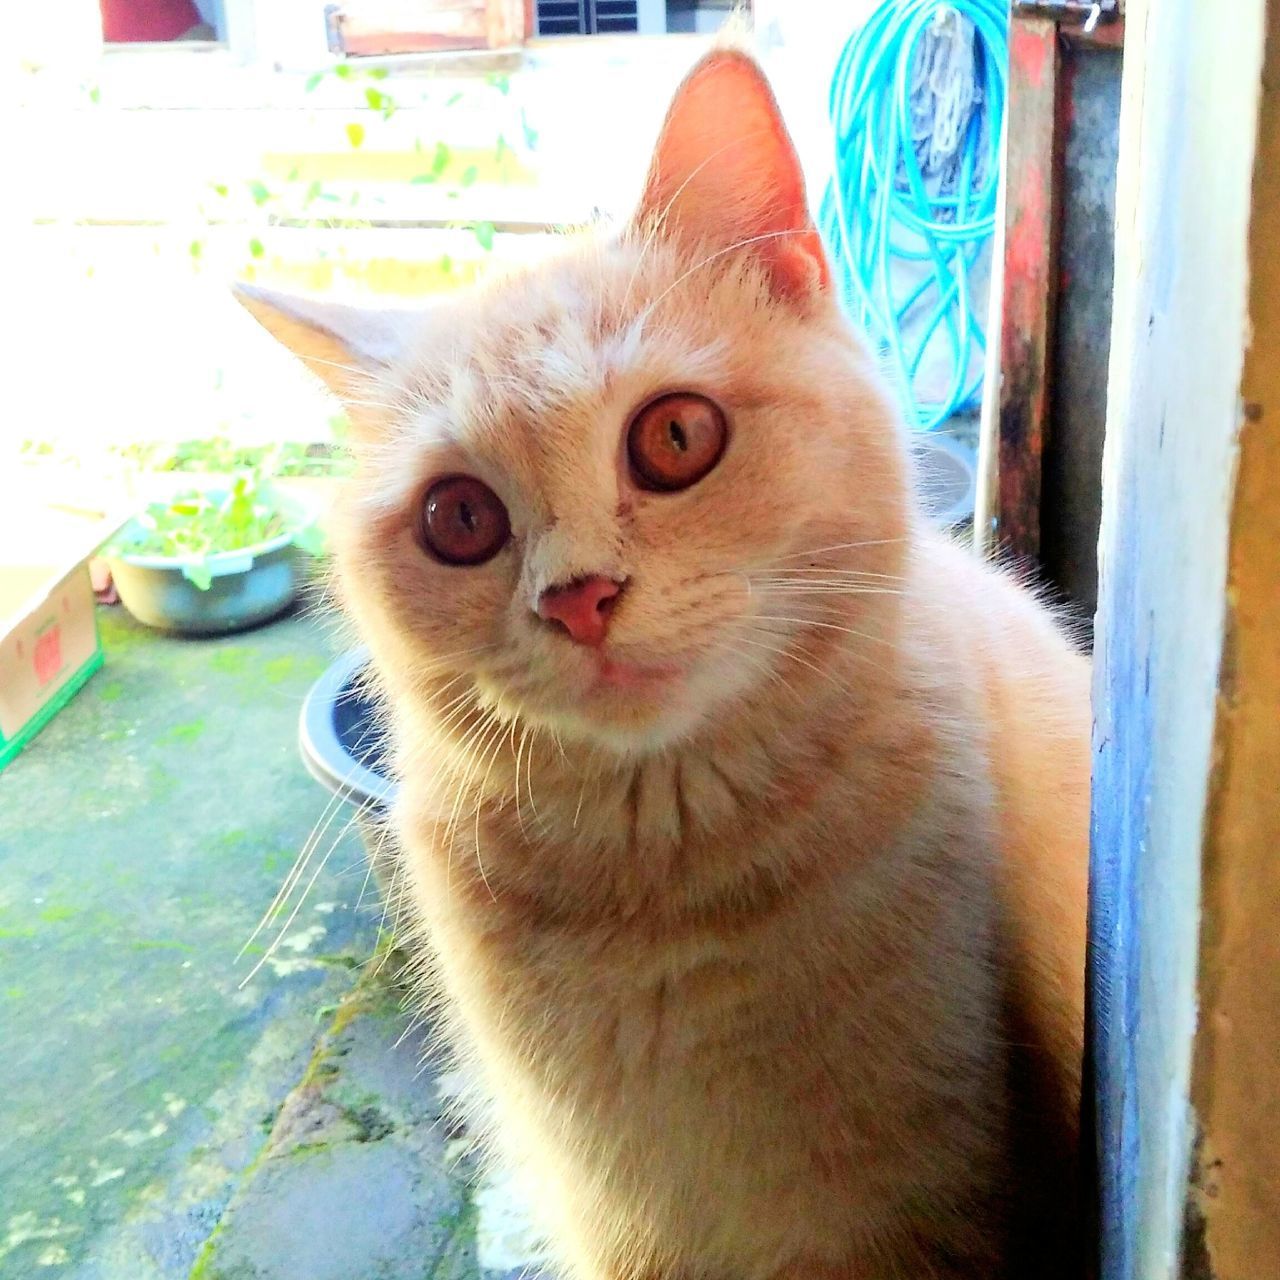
(221, 455)
(199, 524)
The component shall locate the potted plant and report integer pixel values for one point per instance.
(213, 560)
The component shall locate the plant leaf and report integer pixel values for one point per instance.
(484, 234)
(530, 133)
(313, 81)
(309, 538)
(355, 133)
(197, 573)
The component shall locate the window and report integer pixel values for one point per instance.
(588, 17)
(371, 27)
(613, 17)
(163, 21)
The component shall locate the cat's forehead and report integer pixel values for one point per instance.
(571, 333)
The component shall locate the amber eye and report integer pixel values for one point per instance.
(674, 441)
(463, 521)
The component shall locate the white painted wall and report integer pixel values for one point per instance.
(799, 43)
(288, 34)
(1188, 131)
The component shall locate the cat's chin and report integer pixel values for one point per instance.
(636, 707)
(620, 705)
(628, 710)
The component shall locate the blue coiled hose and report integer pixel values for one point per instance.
(878, 213)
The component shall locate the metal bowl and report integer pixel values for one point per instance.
(344, 748)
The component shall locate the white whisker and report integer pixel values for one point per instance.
(829, 626)
(840, 546)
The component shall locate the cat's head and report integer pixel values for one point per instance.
(626, 489)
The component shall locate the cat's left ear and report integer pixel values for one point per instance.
(725, 174)
(339, 343)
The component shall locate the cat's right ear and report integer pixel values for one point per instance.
(725, 175)
(342, 345)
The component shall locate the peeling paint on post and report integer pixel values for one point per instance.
(1028, 281)
(1235, 1084)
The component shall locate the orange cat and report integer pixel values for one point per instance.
(744, 816)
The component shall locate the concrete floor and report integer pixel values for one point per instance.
(146, 1085)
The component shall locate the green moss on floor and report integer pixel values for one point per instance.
(357, 1179)
(142, 836)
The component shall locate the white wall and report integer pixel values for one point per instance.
(285, 33)
(799, 43)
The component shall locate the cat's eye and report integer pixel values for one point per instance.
(676, 440)
(463, 521)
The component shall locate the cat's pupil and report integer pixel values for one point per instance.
(678, 437)
(467, 516)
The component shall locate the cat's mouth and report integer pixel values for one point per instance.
(639, 677)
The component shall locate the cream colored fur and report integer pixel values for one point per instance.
(774, 971)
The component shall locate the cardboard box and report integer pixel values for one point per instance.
(49, 643)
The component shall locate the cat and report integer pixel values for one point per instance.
(744, 816)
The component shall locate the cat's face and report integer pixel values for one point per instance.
(680, 422)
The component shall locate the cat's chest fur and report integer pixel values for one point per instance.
(798, 1025)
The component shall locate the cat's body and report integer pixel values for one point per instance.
(742, 1006)
(744, 817)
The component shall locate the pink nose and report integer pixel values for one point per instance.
(582, 608)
